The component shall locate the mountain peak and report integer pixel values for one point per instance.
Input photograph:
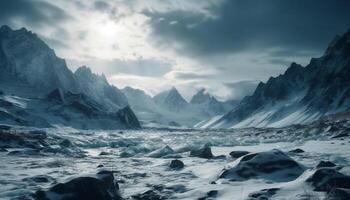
(174, 100)
(201, 96)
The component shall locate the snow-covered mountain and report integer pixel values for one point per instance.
(169, 108)
(300, 95)
(25, 57)
(173, 100)
(30, 71)
(98, 88)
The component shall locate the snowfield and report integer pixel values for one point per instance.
(280, 164)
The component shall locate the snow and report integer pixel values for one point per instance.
(152, 150)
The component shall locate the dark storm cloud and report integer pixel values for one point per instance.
(253, 24)
(35, 13)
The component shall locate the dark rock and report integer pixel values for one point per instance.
(325, 164)
(341, 135)
(220, 157)
(66, 143)
(202, 152)
(296, 151)
(103, 153)
(100, 166)
(271, 165)
(211, 194)
(148, 195)
(338, 194)
(263, 194)
(176, 164)
(102, 187)
(324, 179)
(237, 154)
(128, 117)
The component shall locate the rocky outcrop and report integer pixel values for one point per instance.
(101, 186)
(270, 165)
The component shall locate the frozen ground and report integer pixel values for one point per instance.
(33, 160)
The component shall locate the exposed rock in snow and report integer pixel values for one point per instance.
(300, 95)
(325, 179)
(202, 152)
(102, 186)
(338, 194)
(269, 165)
(176, 164)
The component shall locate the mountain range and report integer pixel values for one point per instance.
(169, 108)
(299, 96)
(38, 89)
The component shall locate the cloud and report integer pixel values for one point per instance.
(243, 25)
(36, 13)
(241, 89)
(139, 67)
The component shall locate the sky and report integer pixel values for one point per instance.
(225, 46)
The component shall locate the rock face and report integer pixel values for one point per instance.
(326, 179)
(102, 186)
(300, 95)
(202, 152)
(339, 194)
(30, 69)
(270, 165)
(98, 88)
(26, 57)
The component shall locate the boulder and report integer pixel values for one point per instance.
(296, 151)
(324, 179)
(237, 154)
(271, 165)
(338, 194)
(202, 152)
(325, 164)
(101, 186)
(176, 164)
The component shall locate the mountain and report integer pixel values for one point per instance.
(207, 103)
(32, 76)
(169, 108)
(300, 95)
(174, 101)
(25, 57)
(98, 88)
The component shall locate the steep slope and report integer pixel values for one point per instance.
(98, 88)
(300, 95)
(25, 57)
(30, 71)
